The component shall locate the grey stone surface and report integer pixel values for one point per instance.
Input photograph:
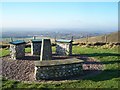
(64, 48)
(58, 62)
(46, 50)
(36, 48)
(58, 71)
(17, 51)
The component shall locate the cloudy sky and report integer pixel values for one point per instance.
(67, 15)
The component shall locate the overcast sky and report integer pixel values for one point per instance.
(67, 15)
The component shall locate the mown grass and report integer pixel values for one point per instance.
(5, 52)
(109, 56)
(27, 50)
(109, 78)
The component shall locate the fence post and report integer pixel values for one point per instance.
(105, 38)
(87, 39)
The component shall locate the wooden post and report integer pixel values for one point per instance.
(105, 38)
(87, 39)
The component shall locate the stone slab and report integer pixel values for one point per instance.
(57, 62)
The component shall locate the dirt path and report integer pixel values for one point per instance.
(23, 70)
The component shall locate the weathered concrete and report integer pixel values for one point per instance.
(46, 50)
(56, 69)
(36, 47)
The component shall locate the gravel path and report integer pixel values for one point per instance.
(23, 70)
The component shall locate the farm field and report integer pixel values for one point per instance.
(108, 78)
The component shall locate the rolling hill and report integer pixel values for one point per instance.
(109, 38)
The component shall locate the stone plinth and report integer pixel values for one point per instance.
(17, 49)
(56, 69)
(64, 47)
(36, 47)
(46, 50)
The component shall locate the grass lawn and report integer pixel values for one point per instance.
(109, 78)
(4, 52)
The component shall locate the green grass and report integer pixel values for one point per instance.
(4, 52)
(27, 50)
(53, 49)
(109, 56)
(109, 78)
(113, 37)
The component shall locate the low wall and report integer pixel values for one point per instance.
(57, 69)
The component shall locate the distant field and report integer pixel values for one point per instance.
(113, 37)
(109, 78)
(110, 38)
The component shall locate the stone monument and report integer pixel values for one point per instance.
(46, 50)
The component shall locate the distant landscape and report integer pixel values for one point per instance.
(60, 34)
(78, 36)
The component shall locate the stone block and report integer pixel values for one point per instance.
(36, 47)
(64, 48)
(17, 51)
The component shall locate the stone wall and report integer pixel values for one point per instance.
(36, 48)
(17, 51)
(58, 71)
(64, 48)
